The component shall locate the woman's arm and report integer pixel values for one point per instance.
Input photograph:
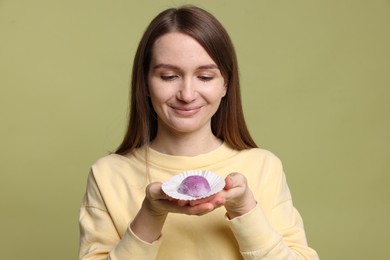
(278, 234)
(100, 237)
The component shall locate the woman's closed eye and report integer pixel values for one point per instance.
(205, 78)
(168, 77)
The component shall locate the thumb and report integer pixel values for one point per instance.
(154, 191)
(231, 181)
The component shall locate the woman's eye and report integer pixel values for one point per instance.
(205, 78)
(168, 77)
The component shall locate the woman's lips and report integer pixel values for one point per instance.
(186, 111)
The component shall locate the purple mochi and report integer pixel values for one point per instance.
(194, 186)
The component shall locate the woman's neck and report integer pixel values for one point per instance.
(185, 144)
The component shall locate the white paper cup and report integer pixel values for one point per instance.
(170, 187)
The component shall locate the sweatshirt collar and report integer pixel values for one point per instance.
(182, 163)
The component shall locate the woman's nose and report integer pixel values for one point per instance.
(187, 92)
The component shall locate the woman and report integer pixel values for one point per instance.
(186, 114)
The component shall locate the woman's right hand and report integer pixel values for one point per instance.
(150, 219)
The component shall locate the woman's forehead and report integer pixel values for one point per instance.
(178, 49)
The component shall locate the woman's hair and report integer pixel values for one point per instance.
(228, 123)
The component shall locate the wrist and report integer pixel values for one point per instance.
(243, 208)
(240, 212)
(148, 223)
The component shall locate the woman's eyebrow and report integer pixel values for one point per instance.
(165, 66)
(173, 67)
(208, 67)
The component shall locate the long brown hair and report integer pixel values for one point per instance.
(228, 123)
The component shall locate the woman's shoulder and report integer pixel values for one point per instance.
(115, 168)
(109, 159)
(260, 153)
(111, 162)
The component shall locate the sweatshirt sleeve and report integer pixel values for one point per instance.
(275, 231)
(100, 239)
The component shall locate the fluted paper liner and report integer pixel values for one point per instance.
(216, 182)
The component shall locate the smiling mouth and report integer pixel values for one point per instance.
(185, 108)
(186, 111)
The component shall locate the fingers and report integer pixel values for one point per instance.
(216, 200)
(184, 207)
(232, 195)
(160, 202)
(199, 210)
(228, 183)
(200, 201)
(154, 191)
(235, 185)
(234, 180)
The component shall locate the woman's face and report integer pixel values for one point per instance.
(184, 84)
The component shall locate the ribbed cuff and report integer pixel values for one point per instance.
(133, 247)
(253, 232)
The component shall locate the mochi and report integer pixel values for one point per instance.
(194, 186)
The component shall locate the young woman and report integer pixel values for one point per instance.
(186, 114)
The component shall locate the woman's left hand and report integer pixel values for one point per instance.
(237, 198)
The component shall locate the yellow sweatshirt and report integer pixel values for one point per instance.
(116, 188)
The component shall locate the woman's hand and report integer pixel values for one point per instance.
(237, 198)
(158, 203)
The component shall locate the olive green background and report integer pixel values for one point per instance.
(315, 85)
